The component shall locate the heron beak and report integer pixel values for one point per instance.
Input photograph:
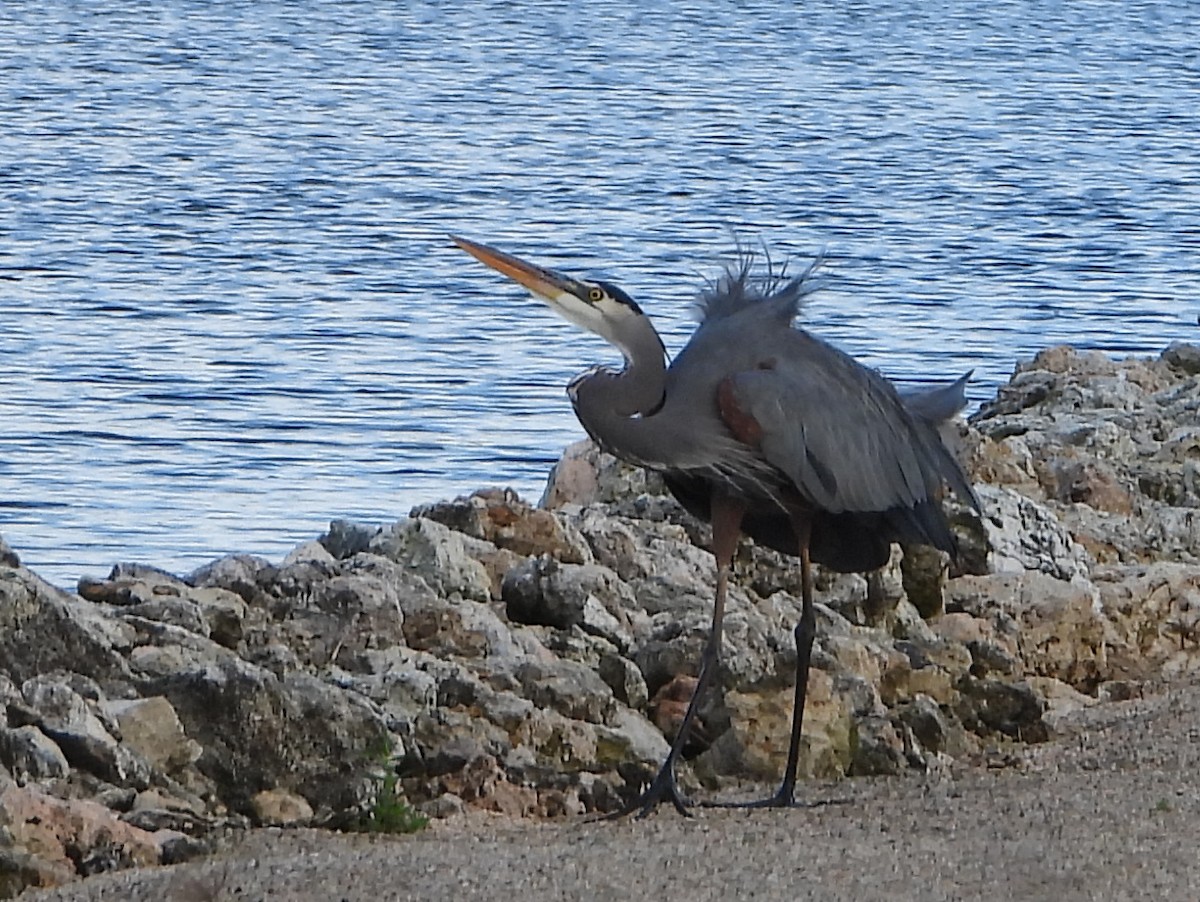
(545, 283)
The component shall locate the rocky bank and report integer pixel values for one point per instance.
(484, 653)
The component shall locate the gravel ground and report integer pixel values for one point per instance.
(1109, 811)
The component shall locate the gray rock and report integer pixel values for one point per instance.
(179, 612)
(66, 718)
(1025, 535)
(43, 630)
(224, 614)
(445, 805)
(1013, 709)
(280, 808)
(404, 683)
(30, 755)
(924, 572)
(238, 573)
(437, 554)
(151, 728)
(465, 629)
(346, 539)
(586, 475)
(545, 592)
(936, 731)
(624, 679)
(8, 557)
(500, 518)
(325, 610)
(571, 689)
(636, 741)
(879, 749)
(1183, 356)
(309, 552)
(259, 731)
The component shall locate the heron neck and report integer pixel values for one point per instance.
(616, 407)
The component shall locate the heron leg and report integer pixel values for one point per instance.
(805, 632)
(726, 523)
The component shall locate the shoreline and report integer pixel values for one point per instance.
(509, 670)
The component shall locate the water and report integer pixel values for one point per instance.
(230, 313)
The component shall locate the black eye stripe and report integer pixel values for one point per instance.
(617, 295)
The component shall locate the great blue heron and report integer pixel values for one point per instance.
(758, 426)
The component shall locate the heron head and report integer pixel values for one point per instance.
(597, 306)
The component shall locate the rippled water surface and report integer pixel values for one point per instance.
(229, 312)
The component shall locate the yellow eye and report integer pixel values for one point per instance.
(595, 295)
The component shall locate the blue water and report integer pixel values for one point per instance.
(229, 312)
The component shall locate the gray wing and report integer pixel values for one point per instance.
(842, 433)
(938, 403)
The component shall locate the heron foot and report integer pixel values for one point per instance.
(664, 788)
(783, 798)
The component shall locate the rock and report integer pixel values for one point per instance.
(932, 727)
(21, 870)
(631, 739)
(1109, 445)
(445, 805)
(1004, 460)
(66, 718)
(669, 707)
(238, 573)
(436, 554)
(879, 749)
(1182, 356)
(56, 841)
(932, 668)
(571, 689)
(280, 808)
(463, 629)
(30, 755)
(586, 475)
(1153, 617)
(483, 784)
(224, 614)
(885, 593)
(157, 811)
(924, 575)
(1025, 535)
(309, 553)
(1091, 482)
(1013, 709)
(1058, 627)
(346, 539)
(906, 622)
(544, 592)
(43, 630)
(624, 679)
(8, 557)
(325, 611)
(151, 728)
(1026, 389)
(1061, 700)
(756, 742)
(260, 731)
(504, 520)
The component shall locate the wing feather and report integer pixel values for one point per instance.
(840, 431)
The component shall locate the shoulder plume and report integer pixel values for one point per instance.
(749, 282)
